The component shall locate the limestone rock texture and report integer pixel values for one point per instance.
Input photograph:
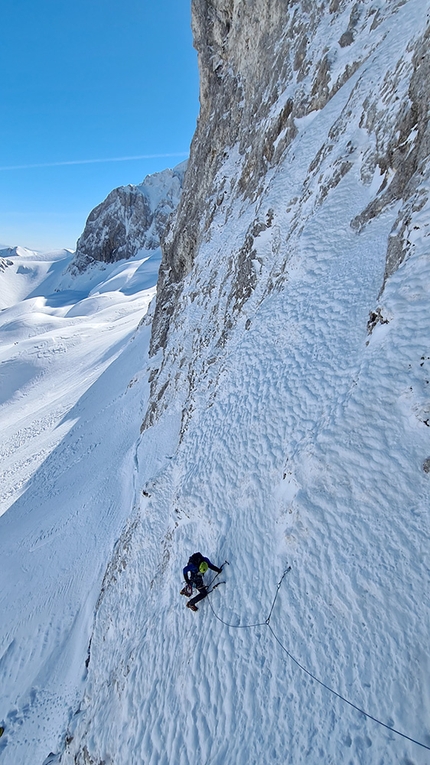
(269, 71)
(130, 219)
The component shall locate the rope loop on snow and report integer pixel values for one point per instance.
(266, 623)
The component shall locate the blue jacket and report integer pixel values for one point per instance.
(191, 570)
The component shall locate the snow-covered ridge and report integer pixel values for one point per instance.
(6, 253)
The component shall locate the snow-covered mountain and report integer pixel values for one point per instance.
(277, 416)
(131, 220)
(7, 252)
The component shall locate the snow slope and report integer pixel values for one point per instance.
(70, 409)
(286, 434)
(307, 451)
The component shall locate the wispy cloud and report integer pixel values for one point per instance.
(94, 161)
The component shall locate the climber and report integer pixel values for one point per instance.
(193, 574)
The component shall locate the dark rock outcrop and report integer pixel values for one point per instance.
(131, 219)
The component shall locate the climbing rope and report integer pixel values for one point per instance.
(266, 623)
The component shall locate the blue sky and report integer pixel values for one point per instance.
(88, 80)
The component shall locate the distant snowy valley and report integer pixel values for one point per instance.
(70, 411)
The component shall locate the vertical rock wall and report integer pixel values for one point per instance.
(266, 68)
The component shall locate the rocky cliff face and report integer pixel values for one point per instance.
(131, 219)
(268, 69)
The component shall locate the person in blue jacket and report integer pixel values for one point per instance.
(194, 572)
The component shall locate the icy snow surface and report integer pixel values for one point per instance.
(304, 445)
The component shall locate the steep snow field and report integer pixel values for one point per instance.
(308, 453)
(290, 436)
(70, 410)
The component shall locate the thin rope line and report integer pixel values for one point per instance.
(317, 680)
(235, 626)
(354, 706)
(257, 624)
(277, 592)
